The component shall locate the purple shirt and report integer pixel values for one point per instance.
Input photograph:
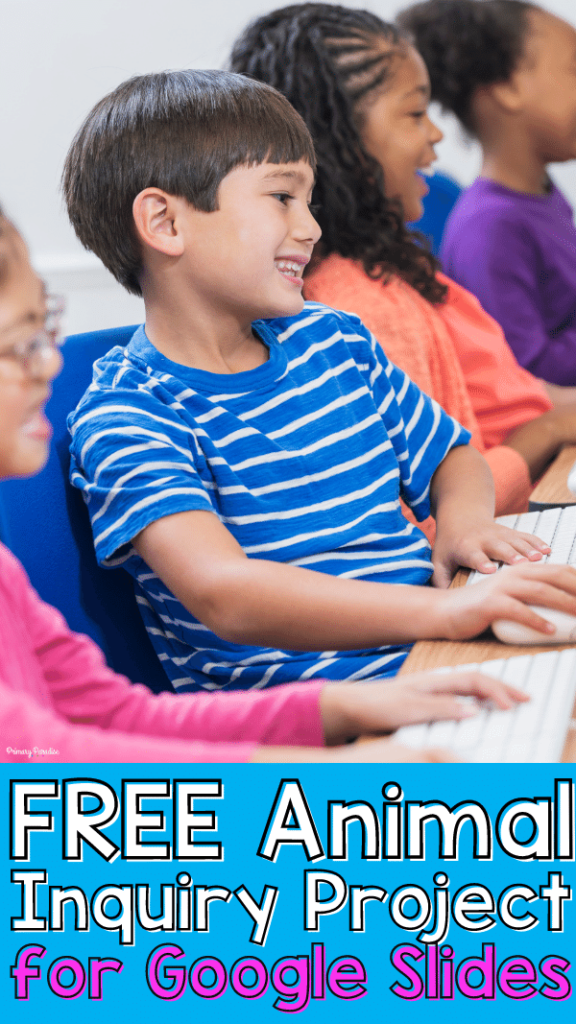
(517, 253)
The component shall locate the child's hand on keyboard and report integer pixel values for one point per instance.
(480, 543)
(508, 595)
(354, 709)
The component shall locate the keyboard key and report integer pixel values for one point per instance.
(547, 524)
(527, 523)
(516, 671)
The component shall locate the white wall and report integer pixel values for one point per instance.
(60, 56)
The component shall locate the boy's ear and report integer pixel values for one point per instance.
(156, 220)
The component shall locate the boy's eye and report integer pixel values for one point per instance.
(282, 197)
(418, 114)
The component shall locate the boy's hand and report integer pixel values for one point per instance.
(480, 543)
(468, 611)
(354, 709)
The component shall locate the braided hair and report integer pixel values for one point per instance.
(466, 44)
(326, 59)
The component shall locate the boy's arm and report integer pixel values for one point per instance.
(462, 498)
(270, 604)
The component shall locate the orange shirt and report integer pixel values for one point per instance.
(504, 395)
(454, 352)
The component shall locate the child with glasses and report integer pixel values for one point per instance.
(245, 455)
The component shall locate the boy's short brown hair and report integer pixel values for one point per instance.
(181, 131)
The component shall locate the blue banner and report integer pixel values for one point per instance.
(251, 892)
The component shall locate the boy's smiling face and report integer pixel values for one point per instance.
(247, 258)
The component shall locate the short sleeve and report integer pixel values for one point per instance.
(420, 431)
(134, 460)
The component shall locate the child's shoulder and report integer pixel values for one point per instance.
(315, 320)
(122, 366)
(487, 203)
(482, 201)
(485, 220)
(126, 375)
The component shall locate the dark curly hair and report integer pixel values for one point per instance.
(466, 44)
(325, 59)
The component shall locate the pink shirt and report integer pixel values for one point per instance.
(57, 695)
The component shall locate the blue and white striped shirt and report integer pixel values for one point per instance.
(304, 459)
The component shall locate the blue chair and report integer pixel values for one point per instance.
(438, 204)
(44, 521)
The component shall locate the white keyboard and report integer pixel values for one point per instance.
(534, 732)
(555, 526)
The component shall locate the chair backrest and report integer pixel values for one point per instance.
(438, 204)
(45, 523)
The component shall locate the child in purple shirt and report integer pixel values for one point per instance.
(507, 70)
(517, 252)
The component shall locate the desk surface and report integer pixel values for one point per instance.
(430, 654)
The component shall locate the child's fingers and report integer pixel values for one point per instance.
(514, 549)
(454, 707)
(469, 684)
(440, 707)
(509, 594)
(517, 611)
(509, 546)
(478, 558)
(511, 549)
(533, 542)
(551, 586)
(486, 688)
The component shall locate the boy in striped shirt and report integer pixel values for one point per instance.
(245, 455)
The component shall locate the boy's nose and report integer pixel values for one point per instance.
(307, 228)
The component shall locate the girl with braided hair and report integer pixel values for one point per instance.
(363, 91)
(507, 70)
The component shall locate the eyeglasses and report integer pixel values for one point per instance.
(34, 353)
